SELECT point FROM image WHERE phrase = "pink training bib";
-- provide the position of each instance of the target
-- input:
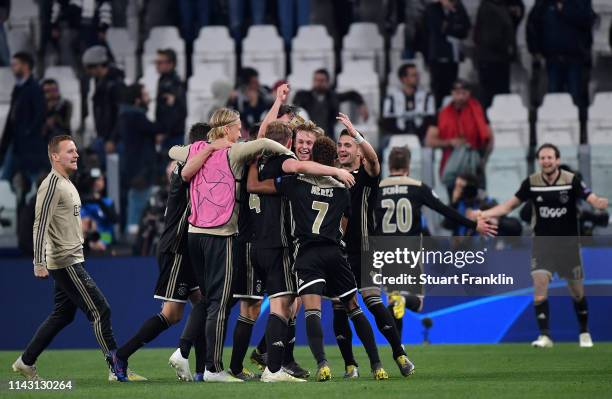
(212, 189)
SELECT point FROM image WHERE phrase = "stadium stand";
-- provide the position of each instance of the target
(200, 98)
(263, 50)
(363, 42)
(124, 50)
(600, 138)
(214, 46)
(359, 76)
(507, 164)
(313, 48)
(558, 123)
(6, 81)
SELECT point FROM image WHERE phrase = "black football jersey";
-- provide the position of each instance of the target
(174, 234)
(554, 205)
(317, 205)
(398, 207)
(269, 214)
(245, 224)
(363, 196)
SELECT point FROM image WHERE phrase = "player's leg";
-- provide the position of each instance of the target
(85, 294)
(288, 283)
(280, 286)
(310, 273)
(63, 314)
(218, 256)
(192, 335)
(249, 312)
(249, 289)
(173, 287)
(342, 285)
(387, 326)
(363, 329)
(384, 319)
(171, 314)
(344, 338)
(342, 328)
(314, 331)
(541, 279)
(288, 359)
(576, 288)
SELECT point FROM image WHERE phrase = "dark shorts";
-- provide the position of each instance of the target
(275, 265)
(323, 269)
(176, 279)
(248, 283)
(564, 259)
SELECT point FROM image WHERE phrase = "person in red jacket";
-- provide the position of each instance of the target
(461, 122)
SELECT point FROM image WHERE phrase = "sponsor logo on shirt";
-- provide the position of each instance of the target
(552, 213)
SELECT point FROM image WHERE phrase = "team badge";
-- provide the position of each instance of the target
(564, 197)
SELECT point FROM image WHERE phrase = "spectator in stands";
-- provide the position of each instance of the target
(337, 17)
(251, 99)
(236, 16)
(109, 84)
(414, 27)
(138, 166)
(560, 32)
(446, 25)
(59, 110)
(322, 102)
(5, 54)
(171, 102)
(23, 149)
(409, 110)
(495, 39)
(290, 13)
(195, 14)
(86, 23)
(95, 205)
(462, 125)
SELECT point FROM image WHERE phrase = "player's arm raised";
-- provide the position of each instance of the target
(256, 186)
(372, 166)
(281, 95)
(317, 169)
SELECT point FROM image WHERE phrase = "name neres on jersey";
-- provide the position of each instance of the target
(325, 192)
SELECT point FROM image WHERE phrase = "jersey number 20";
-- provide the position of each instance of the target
(403, 216)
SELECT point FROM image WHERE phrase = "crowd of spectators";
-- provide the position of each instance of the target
(74, 33)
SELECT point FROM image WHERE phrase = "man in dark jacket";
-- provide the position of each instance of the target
(560, 31)
(495, 39)
(171, 101)
(446, 24)
(323, 103)
(23, 149)
(109, 84)
(138, 157)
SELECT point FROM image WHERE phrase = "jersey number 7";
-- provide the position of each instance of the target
(321, 208)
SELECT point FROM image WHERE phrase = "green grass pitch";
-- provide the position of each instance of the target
(442, 371)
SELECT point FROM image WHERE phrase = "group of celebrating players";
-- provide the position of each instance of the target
(275, 216)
